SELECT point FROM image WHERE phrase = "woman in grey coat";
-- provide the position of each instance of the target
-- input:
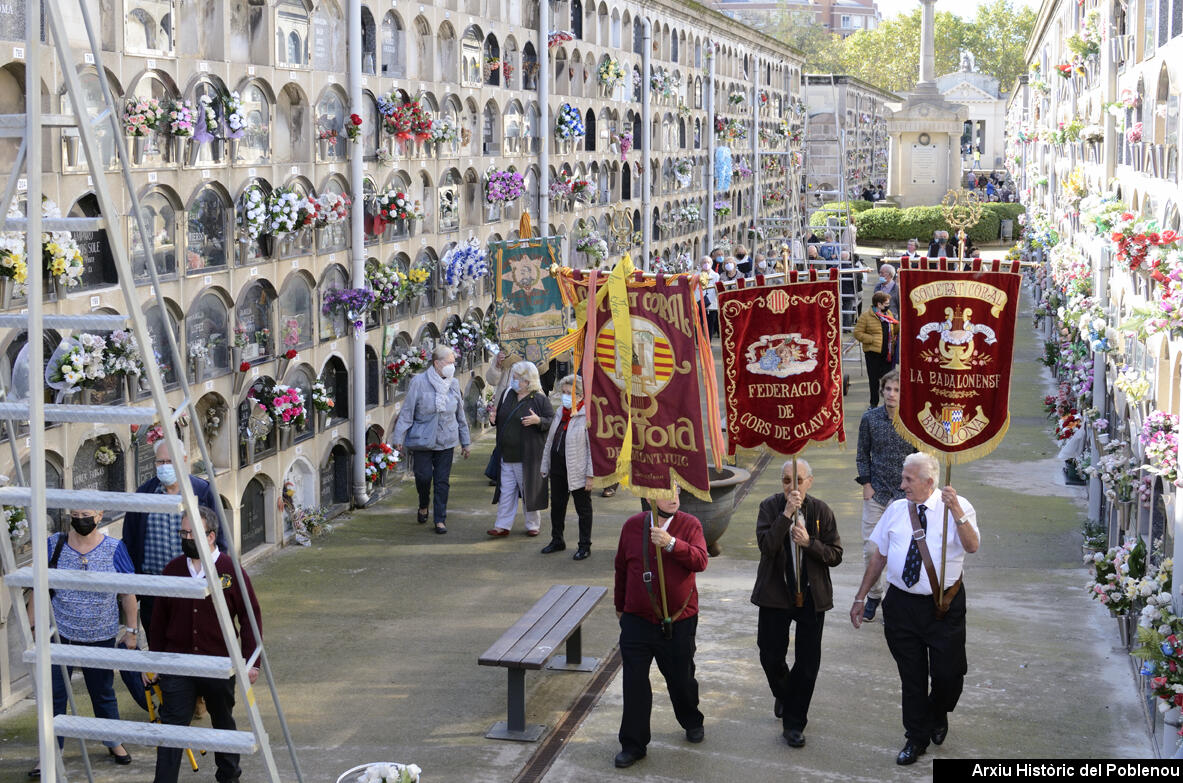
(566, 459)
(431, 424)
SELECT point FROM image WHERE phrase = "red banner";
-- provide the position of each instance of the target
(957, 334)
(782, 365)
(658, 389)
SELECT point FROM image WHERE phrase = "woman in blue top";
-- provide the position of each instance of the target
(89, 618)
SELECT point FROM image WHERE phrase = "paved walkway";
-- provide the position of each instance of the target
(374, 634)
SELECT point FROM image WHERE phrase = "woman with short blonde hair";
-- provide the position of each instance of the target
(523, 420)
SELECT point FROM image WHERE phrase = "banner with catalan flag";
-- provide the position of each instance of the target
(957, 335)
(782, 363)
(639, 342)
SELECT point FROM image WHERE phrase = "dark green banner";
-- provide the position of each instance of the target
(529, 305)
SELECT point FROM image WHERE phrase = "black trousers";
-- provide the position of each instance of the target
(180, 697)
(433, 468)
(794, 687)
(641, 643)
(559, 492)
(877, 367)
(926, 648)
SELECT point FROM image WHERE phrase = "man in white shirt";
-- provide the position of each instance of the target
(711, 296)
(917, 631)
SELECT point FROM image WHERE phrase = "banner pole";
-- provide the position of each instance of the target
(940, 593)
(799, 597)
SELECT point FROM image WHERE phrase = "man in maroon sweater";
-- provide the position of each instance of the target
(643, 635)
(185, 625)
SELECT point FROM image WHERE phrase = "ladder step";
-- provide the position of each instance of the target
(58, 224)
(154, 734)
(89, 498)
(16, 122)
(84, 414)
(106, 582)
(214, 667)
(97, 322)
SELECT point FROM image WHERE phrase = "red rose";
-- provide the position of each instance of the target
(244, 366)
(291, 354)
(355, 119)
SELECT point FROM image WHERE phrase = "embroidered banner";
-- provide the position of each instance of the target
(956, 346)
(529, 303)
(782, 364)
(649, 378)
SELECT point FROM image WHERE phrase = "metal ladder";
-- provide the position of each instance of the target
(36, 497)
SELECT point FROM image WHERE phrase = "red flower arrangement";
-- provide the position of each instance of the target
(291, 354)
(353, 127)
(409, 121)
(244, 366)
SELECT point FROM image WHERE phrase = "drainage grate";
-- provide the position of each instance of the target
(538, 765)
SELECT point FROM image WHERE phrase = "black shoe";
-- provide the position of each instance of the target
(912, 751)
(869, 609)
(696, 734)
(778, 707)
(123, 760)
(941, 731)
(441, 528)
(553, 546)
(421, 517)
(794, 737)
(626, 758)
(581, 554)
(35, 773)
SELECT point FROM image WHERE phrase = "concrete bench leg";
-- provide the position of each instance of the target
(515, 727)
(574, 661)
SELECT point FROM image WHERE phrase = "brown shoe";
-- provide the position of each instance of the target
(531, 533)
(497, 532)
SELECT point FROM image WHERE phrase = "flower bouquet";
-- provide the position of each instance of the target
(207, 119)
(395, 205)
(382, 456)
(569, 124)
(443, 130)
(141, 116)
(253, 214)
(353, 127)
(181, 119)
(235, 119)
(17, 523)
(558, 38)
(683, 168)
(583, 191)
(504, 187)
(413, 283)
(354, 303)
(105, 456)
(592, 245)
(122, 356)
(331, 209)
(60, 253)
(284, 404)
(722, 208)
(411, 361)
(1117, 470)
(1115, 571)
(383, 279)
(464, 262)
(1133, 134)
(307, 524)
(736, 99)
(463, 338)
(321, 399)
(12, 262)
(611, 73)
(1160, 445)
(327, 134)
(283, 212)
(78, 364)
(626, 144)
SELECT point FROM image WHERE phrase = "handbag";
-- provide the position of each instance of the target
(493, 469)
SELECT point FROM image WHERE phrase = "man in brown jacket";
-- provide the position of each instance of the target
(793, 543)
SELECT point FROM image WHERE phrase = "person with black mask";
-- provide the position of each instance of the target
(743, 262)
(90, 619)
(190, 625)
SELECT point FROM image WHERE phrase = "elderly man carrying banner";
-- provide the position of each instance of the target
(926, 638)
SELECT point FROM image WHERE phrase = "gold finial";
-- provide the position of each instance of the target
(961, 210)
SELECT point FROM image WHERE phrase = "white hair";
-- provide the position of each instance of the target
(803, 463)
(529, 371)
(887, 270)
(163, 442)
(442, 353)
(927, 464)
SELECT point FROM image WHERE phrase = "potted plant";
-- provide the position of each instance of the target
(715, 515)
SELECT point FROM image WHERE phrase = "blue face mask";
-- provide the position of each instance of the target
(515, 384)
(167, 474)
(882, 279)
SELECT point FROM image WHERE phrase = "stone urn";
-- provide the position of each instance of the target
(716, 515)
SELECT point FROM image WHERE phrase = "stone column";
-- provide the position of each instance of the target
(927, 45)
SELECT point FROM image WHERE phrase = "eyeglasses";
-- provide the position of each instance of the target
(164, 462)
(186, 534)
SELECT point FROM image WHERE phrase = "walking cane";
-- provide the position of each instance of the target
(799, 597)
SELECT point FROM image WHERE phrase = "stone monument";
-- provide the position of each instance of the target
(925, 159)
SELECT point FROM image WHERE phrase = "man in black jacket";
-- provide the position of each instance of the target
(792, 545)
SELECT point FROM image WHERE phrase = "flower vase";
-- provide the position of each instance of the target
(6, 287)
(285, 436)
(388, 313)
(55, 285)
(198, 368)
(391, 391)
(1127, 623)
(284, 363)
(322, 149)
(322, 419)
(239, 381)
(70, 150)
(250, 450)
(133, 386)
(87, 396)
(417, 304)
(267, 244)
(138, 145)
(232, 151)
(192, 151)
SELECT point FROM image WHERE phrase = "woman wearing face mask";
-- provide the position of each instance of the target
(709, 293)
(431, 425)
(566, 459)
(730, 270)
(523, 419)
(877, 330)
(90, 619)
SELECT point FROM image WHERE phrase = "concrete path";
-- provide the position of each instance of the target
(374, 634)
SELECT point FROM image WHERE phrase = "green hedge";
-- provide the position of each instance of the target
(920, 222)
(818, 218)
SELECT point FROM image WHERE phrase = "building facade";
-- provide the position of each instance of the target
(840, 106)
(239, 299)
(1093, 142)
(839, 17)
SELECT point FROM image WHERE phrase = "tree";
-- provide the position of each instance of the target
(998, 37)
(889, 55)
(802, 31)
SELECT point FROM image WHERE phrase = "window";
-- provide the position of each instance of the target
(209, 153)
(393, 44)
(298, 242)
(332, 143)
(148, 27)
(92, 92)
(368, 41)
(471, 60)
(529, 67)
(292, 121)
(449, 202)
(208, 234)
(255, 145)
(253, 323)
(248, 31)
(291, 33)
(296, 319)
(333, 325)
(164, 357)
(199, 30)
(328, 31)
(207, 337)
(334, 236)
(160, 215)
(250, 251)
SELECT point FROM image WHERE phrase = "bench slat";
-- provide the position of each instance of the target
(562, 629)
(515, 655)
(493, 656)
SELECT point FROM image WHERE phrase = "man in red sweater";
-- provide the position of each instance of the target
(641, 610)
(185, 625)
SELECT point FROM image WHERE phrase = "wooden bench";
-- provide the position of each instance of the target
(532, 641)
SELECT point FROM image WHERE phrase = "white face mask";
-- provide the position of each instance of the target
(761, 266)
(566, 400)
(731, 267)
(706, 267)
(447, 372)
